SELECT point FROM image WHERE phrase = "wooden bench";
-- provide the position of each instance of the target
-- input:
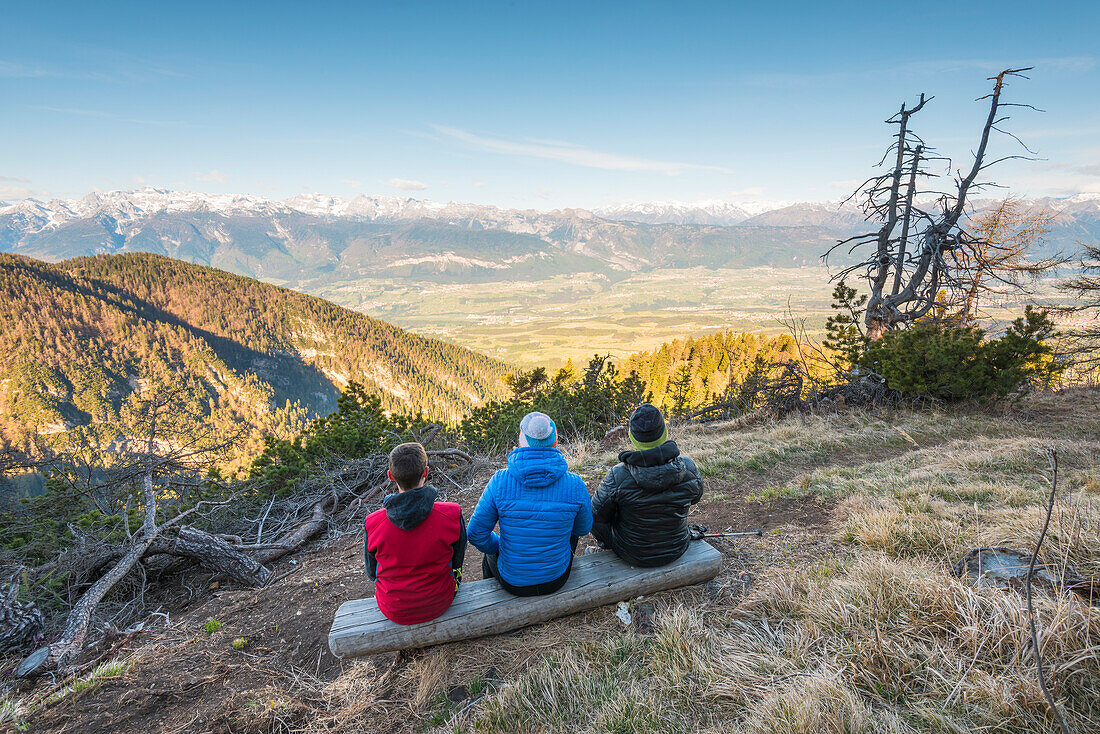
(483, 608)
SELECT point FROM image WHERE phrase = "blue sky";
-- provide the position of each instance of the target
(529, 104)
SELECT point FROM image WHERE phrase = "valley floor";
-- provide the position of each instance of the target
(844, 616)
(536, 322)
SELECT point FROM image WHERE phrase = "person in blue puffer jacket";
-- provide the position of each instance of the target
(541, 509)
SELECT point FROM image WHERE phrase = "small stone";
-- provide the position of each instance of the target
(614, 437)
(33, 663)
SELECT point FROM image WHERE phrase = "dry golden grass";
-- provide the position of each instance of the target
(888, 646)
(874, 636)
(889, 641)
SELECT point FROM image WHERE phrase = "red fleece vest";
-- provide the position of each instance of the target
(414, 566)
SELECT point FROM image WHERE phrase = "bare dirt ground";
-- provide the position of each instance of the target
(191, 681)
(781, 478)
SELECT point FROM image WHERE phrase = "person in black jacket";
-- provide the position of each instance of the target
(640, 510)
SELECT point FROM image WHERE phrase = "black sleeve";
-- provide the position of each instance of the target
(604, 504)
(697, 481)
(369, 560)
(458, 554)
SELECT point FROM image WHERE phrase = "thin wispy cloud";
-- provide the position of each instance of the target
(215, 176)
(929, 67)
(940, 66)
(15, 70)
(13, 188)
(1089, 168)
(551, 141)
(17, 192)
(569, 153)
(353, 183)
(109, 116)
(91, 63)
(407, 184)
(1055, 178)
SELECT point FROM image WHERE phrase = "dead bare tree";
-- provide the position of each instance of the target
(918, 246)
(173, 450)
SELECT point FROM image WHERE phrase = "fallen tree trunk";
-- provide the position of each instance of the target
(484, 608)
(215, 554)
(303, 533)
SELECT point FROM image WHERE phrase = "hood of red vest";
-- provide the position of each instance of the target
(408, 509)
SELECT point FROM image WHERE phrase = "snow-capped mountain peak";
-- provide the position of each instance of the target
(676, 212)
(127, 208)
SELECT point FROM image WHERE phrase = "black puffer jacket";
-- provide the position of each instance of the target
(641, 507)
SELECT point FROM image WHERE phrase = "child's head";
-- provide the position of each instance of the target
(537, 430)
(408, 465)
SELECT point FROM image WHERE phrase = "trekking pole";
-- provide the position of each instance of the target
(757, 533)
(698, 532)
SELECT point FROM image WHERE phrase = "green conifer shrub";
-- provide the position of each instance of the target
(944, 361)
(359, 427)
(582, 407)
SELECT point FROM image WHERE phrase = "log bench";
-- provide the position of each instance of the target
(483, 608)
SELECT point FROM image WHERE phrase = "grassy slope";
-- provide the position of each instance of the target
(842, 618)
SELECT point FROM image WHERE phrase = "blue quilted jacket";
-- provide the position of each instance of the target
(538, 505)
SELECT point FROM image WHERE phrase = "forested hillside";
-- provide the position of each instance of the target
(696, 371)
(78, 337)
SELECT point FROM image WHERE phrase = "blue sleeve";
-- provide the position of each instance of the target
(582, 524)
(480, 529)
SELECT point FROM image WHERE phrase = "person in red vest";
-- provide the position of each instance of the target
(414, 546)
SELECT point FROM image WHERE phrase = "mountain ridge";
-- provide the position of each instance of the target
(313, 241)
(133, 203)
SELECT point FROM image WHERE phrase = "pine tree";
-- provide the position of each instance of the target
(680, 390)
(844, 335)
